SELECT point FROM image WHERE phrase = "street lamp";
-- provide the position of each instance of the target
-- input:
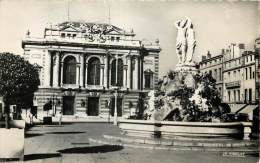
(54, 100)
(115, 110)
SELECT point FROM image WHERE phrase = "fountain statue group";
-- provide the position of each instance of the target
(186, 104)
(180, 94)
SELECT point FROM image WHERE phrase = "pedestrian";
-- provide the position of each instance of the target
(60, 117)
(31, 118)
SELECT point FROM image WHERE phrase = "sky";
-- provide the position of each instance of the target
(216, 24)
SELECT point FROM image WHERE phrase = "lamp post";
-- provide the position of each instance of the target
(115, 109)
(54, 100)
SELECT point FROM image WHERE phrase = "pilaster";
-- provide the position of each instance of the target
(81, 70)
(47, 75)
(56, 69)
(128, 73)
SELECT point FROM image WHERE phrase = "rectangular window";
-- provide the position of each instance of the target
(215, 74)
(234, 95)
(62, 35)
(229, 96)
(250, 72)
(112, 38)
(250, 95)
(246, 73)
(74, 35)
(245, 95)
(117, 39)
(220, 74)
(238, 95)
(148, 80)
(251, 58)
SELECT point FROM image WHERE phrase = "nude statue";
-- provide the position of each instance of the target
(191, 44)
(185, 41)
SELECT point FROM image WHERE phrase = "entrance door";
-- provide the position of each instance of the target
(68, 105)
(93, 105)
(119, 107)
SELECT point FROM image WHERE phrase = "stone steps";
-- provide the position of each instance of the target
(245, 148)
(188, 143)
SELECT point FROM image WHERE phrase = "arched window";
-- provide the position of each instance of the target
(117, 74)
(69, 71)
(94, 71)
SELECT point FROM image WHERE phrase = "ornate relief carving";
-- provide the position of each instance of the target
(91, 31)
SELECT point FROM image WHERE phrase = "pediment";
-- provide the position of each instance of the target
(69, 29)
(114, 32)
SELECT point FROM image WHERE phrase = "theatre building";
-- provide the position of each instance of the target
(86, 66)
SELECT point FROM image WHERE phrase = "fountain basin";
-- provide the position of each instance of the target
(182, 130)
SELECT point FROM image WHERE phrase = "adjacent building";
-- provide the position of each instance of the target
(88, 68)
(214, 66)
(235, 71)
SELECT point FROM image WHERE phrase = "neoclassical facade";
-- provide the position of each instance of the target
(84, 64)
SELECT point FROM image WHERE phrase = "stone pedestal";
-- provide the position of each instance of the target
(187, 68)
(187, 72)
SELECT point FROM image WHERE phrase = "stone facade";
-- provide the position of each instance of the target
(235, 74)
(84, 64)
(214, 66)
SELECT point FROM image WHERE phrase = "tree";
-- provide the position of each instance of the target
(18, 81)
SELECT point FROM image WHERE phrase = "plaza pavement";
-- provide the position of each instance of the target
(69, 143)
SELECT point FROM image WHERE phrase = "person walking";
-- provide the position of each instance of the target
(60, 117)
(31, 118)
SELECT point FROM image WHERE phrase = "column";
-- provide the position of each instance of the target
(105, 72)
(139, 74)
(78, 75)
(128, 72)
(86, 74)
(56, 70)
(135, 76)
(116, 68)
(47, 75)
(102, 75)
(125, 76)
(61, 74)
(81, 70)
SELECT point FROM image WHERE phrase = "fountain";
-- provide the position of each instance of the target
(186, 104)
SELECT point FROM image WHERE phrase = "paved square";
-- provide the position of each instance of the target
(69, 144)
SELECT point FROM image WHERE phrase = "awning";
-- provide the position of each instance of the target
(249, 110)
(236, 107)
